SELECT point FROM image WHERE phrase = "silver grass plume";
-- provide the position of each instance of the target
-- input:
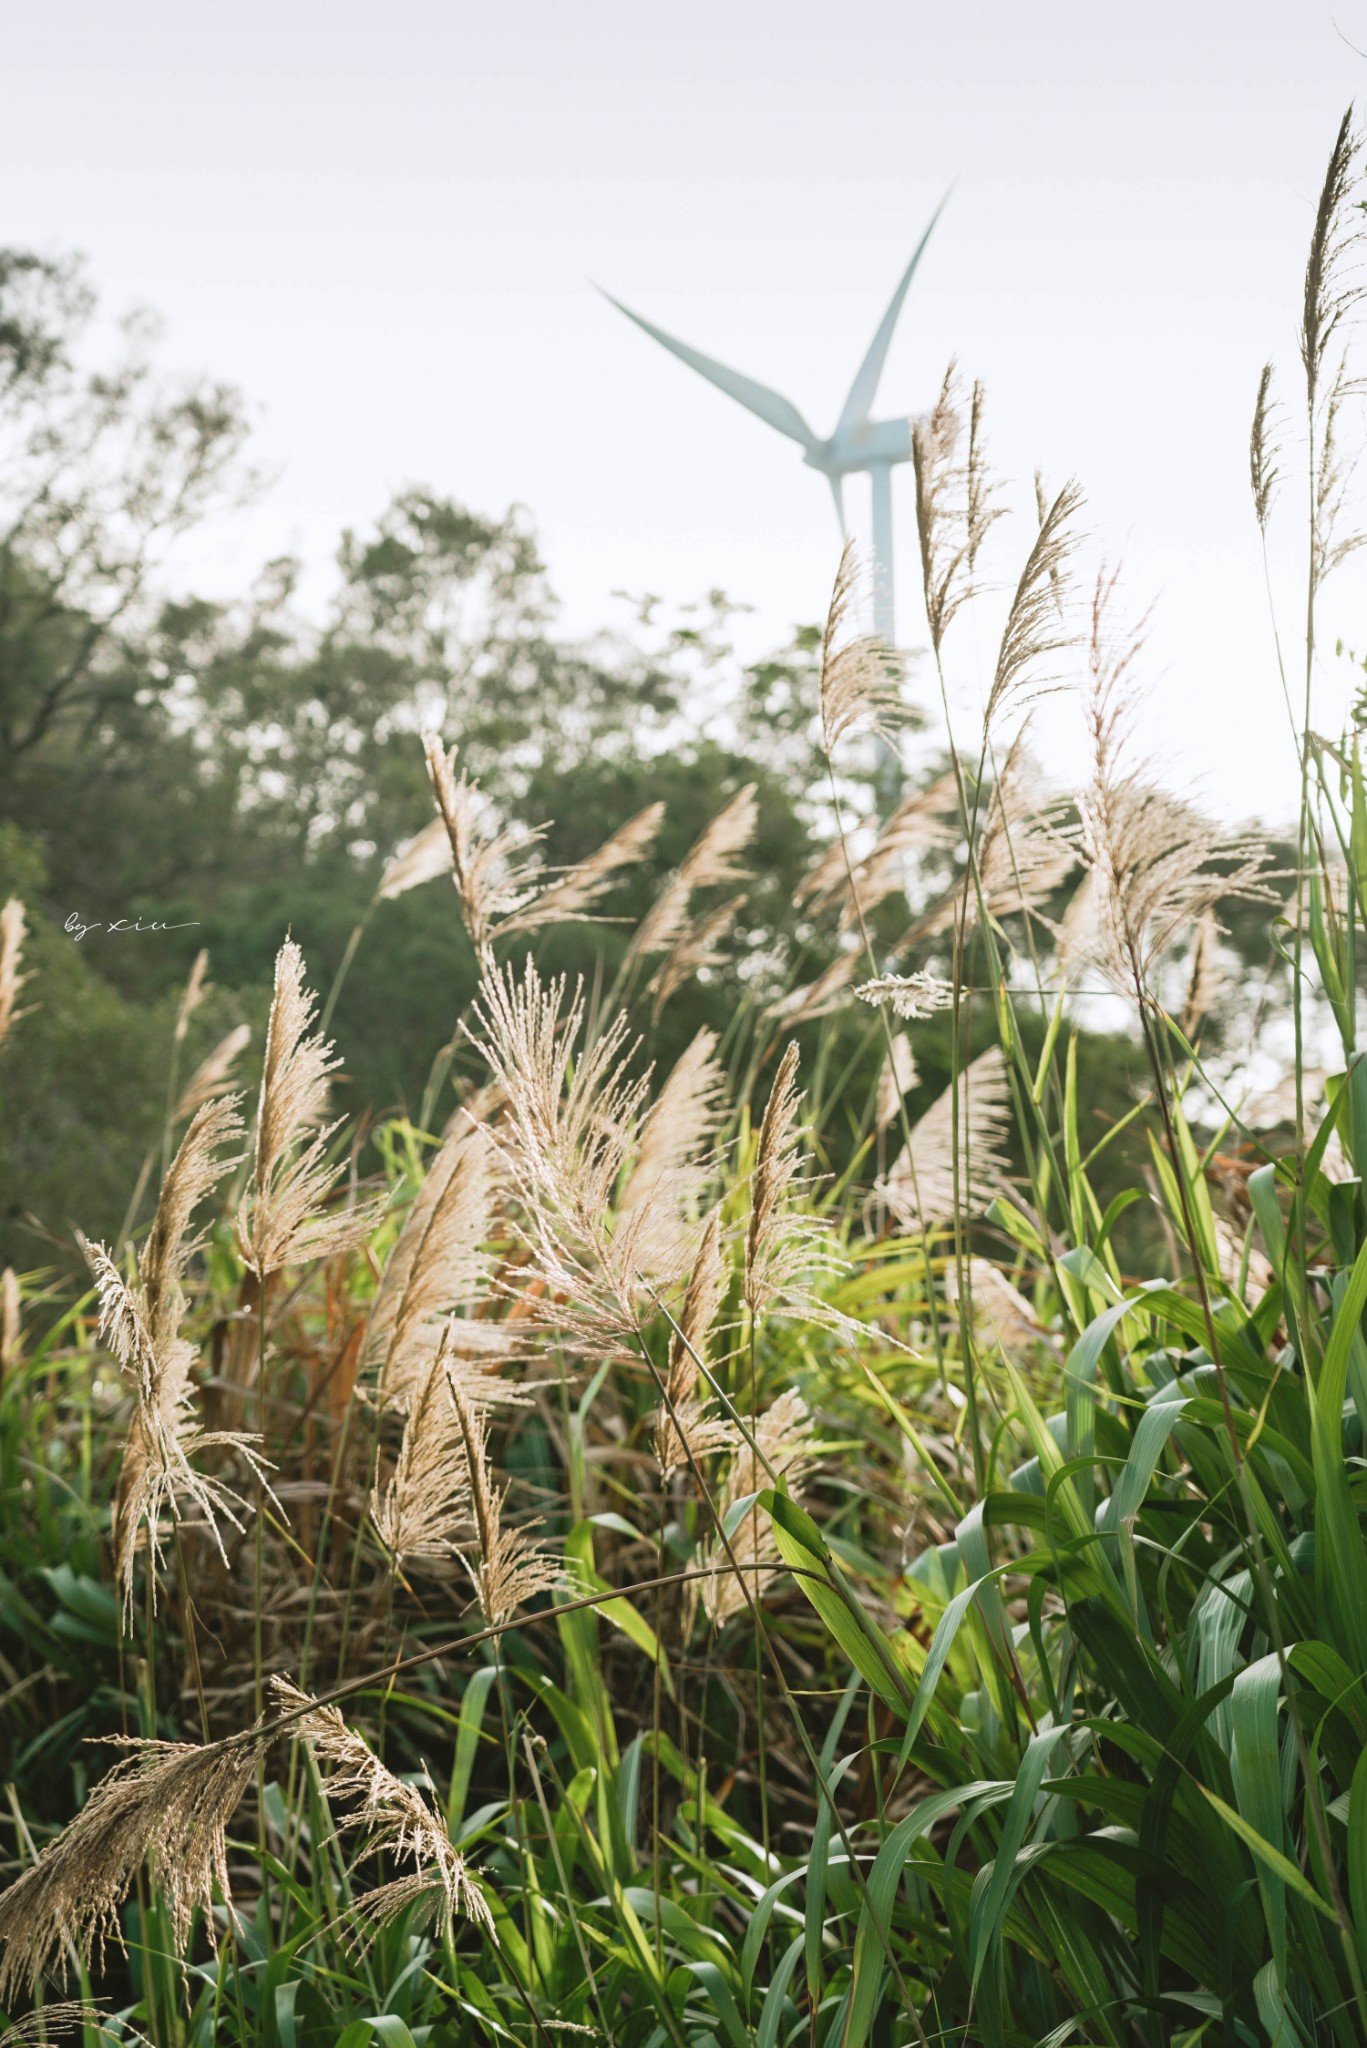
(686, 1428)
(51, 2022)
(499, 871)
(421, 1509)
(828, 876)
(664, 922)
(122, 1327)
(785, 1243)
(1205, 981)
(1157, 865)
(1003, 1319)
(1026, 850)
(1263, 472)
(709, 863)
(935, 1178)
(860, 688)
(11, 1322)
(495, 867)
(675, 1157)
(925, 822)
(141, 1327)
(1334, 473)
(1333, 289)
(422, 860)
(895, 1081)
(569, 1129)
(817, 998)
(575, 892)
(165, 1806)
(567, 1122)
(982, 511)
(438, 1263)
(1033, 634)
(1078, 937)
(283, 1218)
(1331, 286)
(214, 1075)
(394, 1818)
(782, 1437)
(697, 948)
(921, 823)
(913, 996)
(196, 989)
(479, 1108)
(568, 1125)
(11, 951)
(167, 1249)
(513, 1564)
(941, 525)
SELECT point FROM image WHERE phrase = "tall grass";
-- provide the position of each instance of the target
(617, 1579)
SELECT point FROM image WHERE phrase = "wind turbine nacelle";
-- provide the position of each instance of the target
(856, 446)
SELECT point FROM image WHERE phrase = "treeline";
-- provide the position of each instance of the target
(233, 772)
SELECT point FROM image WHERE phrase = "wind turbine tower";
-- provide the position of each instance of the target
(858, 442)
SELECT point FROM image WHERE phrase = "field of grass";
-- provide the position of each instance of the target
(694, 1557)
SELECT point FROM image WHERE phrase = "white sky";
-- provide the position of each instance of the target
(381, 221)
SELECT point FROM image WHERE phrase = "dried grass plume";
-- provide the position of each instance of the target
(954, 1163)
(1158, 867)
(782, 1449)
(214, 1075)
(165, 1806)
(513, 1565)
(687, 1427)
(860, 689)
(394, 1818)
(11, 980)
(284, 1218)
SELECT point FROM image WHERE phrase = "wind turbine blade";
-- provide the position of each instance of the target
(865, 386)
(837, 484)
(757, 398)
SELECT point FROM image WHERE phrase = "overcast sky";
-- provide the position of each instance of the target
(382, 222)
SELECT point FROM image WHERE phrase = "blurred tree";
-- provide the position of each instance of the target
(240, 770)
(100, 471)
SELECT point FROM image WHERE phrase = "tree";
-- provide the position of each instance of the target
(100, 471)
(239, 770)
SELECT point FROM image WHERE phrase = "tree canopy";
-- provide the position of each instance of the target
(236, 771)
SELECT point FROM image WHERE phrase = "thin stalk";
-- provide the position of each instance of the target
(280, 1723)
(191, 1628)
(1188, 1220)
(149, 1680)
(553, 1842)
(760, 1744)
(258, 1587)
(488, 1539)
(799, 1724)
(656, 1707)
(932, 1310)
(344, 968)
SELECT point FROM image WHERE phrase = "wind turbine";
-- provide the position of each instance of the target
(858, 442)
